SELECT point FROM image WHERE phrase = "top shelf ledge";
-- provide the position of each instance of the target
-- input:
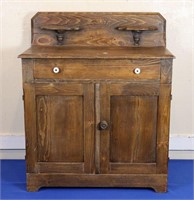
(60, 28)
(137, 28)
(136, 31)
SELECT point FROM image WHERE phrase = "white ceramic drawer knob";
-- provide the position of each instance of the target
(137, 70)
(56, 70)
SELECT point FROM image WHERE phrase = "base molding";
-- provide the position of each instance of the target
(158, 182)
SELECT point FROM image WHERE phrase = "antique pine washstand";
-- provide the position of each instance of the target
(97, 90)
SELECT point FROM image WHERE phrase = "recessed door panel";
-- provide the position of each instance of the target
(133, 131)
(60, 128)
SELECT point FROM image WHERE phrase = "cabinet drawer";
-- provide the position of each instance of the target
(97, 69)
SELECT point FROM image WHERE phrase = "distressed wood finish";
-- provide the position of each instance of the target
(163, 128)
(97, 131)
(30, 127)
(98, 29)
(60, 167)
(132, 168)
(104, 134)
(27, 70)
(89, 165)
(155, 181)
(134, 89)
(60, 124)
(93, 53)
(133, 130)
(58, 89)
(102, 118)
(119, 69)
(166, 71)
(65, 127)
(131, 135)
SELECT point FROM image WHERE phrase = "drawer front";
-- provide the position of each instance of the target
(97, 69)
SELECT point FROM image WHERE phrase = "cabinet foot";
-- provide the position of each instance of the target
(162, 188)
(32, 188)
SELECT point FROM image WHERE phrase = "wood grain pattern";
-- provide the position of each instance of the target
(30, 127)
(92, 53)
(98, 29)
(43, 127)
(134, 89)
(166, 71)
(133, 168)
(89, 165)
(60, 28)
(163, 128)
(137, 28)
(97, 131)
(133, 131)
(94, 63)
(28, 70)
(65, 127)
(155, 181)
(58, 89)
(60, 167)
(104, 134)
(60, 128)
(120, 69)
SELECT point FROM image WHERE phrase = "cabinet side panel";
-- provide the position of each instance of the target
(133, 132)
(166, 71)
(60, 128)
(163, 128)
(27, 70)
(30, 127)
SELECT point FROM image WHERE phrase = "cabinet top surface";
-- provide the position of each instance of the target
(96, 52)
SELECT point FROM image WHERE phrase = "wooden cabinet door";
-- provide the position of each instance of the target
(60, 127)
(129, 144)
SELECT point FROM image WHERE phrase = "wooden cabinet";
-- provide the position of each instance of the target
(97, 116)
